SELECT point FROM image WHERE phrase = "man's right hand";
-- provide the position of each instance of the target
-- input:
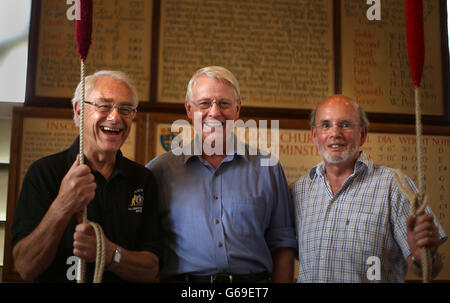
(34, 253)
(77, 188)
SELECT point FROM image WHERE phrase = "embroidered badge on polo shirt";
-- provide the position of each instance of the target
(137, 202)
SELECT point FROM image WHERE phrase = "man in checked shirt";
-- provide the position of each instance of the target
(350, 210)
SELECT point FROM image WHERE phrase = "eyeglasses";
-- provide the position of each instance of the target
(344, 126)
(107, 108)
(205, 104)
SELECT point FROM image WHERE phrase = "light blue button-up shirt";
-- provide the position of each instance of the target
(229, 219)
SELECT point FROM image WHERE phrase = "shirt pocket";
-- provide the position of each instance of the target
(247, 215)
(363, 234)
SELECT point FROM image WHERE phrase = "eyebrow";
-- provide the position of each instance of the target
(344, 120)
(110, 100)
(210, 99)
(106, 100)
(338, 122)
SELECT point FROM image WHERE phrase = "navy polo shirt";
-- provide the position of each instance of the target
(125, 206)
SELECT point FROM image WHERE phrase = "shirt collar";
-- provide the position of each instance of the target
(230, 154)
(119, 168)
(364, 162)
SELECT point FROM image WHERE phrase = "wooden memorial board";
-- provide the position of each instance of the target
(375, 66)
(280, 52)
(121, 41)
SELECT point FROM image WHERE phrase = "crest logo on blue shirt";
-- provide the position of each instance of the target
(137, 202)
(166, 138)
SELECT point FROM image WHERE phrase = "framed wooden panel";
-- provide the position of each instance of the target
(154, 134)
(376, 69)
(281, 52)
(38, 132)
(121, 41)
(286, 55)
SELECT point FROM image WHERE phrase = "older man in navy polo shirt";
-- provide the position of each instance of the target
(120, 195)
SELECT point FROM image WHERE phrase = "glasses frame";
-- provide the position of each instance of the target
(340, 125)
(214, 101)
(113, 106)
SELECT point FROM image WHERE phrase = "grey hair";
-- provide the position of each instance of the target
(216, 72)
(363, 120)
(90, 84)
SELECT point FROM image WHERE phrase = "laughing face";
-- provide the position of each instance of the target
(338, 135)
(223, 106)
(106, 131)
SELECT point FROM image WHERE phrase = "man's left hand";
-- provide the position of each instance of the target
(85, 242)
(422, 231)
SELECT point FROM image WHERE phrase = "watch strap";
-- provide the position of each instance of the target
(116, 258)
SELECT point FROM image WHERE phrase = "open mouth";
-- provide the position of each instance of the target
(213, 123)
(110, 130)
(336, 145)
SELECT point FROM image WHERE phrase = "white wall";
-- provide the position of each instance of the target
(5, 143)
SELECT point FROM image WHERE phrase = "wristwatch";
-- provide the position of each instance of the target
(116, 258)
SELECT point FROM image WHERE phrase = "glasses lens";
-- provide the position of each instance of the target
(224, 104)
(204, 104)
(104, 108)
(125, 110)
(207, 104)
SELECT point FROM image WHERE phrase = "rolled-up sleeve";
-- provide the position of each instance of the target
(281, 232)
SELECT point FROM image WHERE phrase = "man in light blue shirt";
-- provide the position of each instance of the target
(226, 217)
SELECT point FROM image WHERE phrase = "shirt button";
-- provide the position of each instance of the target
(217, 221)
(220, 244)
(215, 197)
(216, 174)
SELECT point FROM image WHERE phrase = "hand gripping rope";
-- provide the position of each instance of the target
(417, 203)
(83, 37)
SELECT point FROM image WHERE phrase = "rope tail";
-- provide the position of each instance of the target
(421, 200)
(417, 201)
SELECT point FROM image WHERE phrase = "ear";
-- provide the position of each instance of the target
(363, 135)
(314, 134)
(238, 108)
(77, 110)
(188, 107)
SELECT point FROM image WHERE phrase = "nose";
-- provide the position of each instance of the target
(335, 130)
(215, 109)
(114, 114)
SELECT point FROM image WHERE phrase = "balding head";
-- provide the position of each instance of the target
(342, 101)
